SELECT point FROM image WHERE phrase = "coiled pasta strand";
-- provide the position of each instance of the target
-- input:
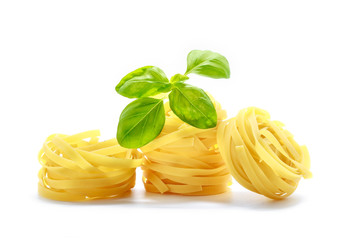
(76, 169)
(261, 155)
(185, 160)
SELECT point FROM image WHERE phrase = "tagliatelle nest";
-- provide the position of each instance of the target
(261, 155)
(185, 160)
(77, 169)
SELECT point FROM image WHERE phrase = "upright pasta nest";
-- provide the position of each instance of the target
(261, 155)
(79, 167)
(184, 159)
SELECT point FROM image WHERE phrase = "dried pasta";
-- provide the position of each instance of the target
(185, 160)
(261, 155)
(79, 167)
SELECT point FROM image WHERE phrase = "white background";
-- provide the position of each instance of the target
(60, 62)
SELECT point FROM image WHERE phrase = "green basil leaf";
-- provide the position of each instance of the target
(178, 78)
(143, 82)
(207, 63)
(193, 106)
(140, 122)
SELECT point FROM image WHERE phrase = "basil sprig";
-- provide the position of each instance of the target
(142, 120)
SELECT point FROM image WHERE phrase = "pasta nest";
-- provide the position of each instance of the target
(261, 155)
(185, 160)
(79, 167)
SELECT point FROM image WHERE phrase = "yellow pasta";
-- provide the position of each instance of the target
(79, 167)
(185, 160)
(261, 155)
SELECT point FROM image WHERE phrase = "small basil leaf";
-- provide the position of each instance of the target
(143, 82)
(193, 106)
(178, 78)
(207, 63)
(140, 122)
